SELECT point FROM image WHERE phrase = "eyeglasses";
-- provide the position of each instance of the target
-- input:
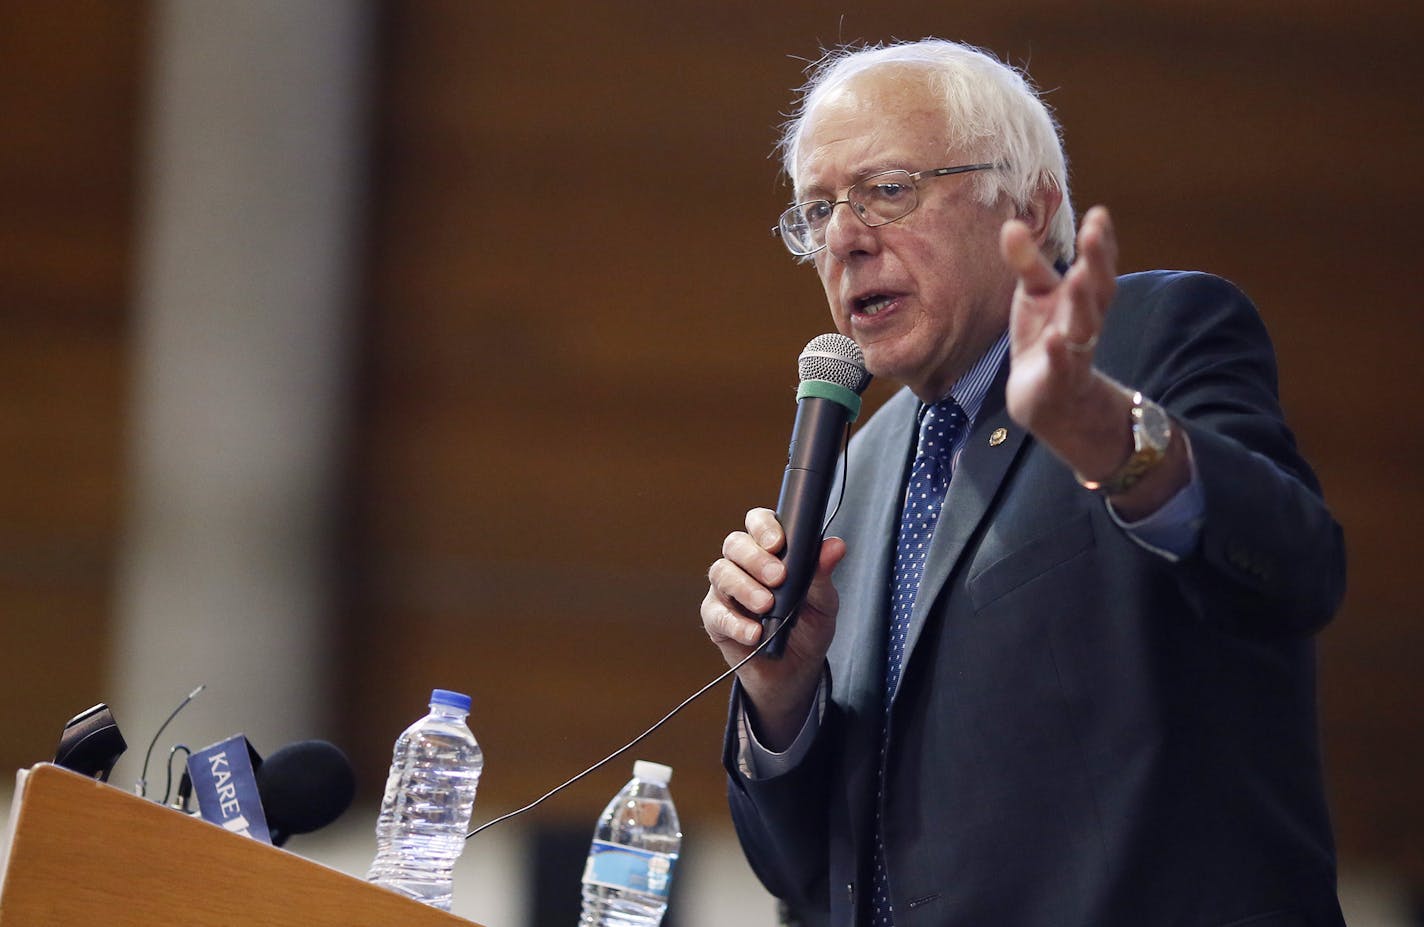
(877, 200)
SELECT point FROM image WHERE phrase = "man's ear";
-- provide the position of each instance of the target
(1038, 213)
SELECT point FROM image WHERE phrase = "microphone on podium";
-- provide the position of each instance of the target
(833, 375)
(91, 743)
(301, 788)
(304, 787)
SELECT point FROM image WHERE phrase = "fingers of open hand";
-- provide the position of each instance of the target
(1097, 258)
(1079, 316)
(1088, 288)
(1036, 274)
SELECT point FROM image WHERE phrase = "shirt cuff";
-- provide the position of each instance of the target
(757, 762)
(1171, 532)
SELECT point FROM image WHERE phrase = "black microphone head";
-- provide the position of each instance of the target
(304, 787)
(834, 358)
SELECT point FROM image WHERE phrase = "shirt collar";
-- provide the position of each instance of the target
(971, 389)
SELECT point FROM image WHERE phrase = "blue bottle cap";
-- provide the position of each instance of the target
(458, 700)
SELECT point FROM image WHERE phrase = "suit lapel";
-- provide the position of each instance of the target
(881, 464)
(978, 474)
(874, 465)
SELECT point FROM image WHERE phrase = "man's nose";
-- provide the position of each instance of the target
(846, 233)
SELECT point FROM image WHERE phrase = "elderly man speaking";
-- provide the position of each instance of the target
(1056, 666)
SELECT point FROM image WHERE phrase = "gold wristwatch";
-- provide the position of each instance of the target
(1151, 434)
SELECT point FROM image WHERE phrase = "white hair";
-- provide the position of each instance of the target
(991, 110)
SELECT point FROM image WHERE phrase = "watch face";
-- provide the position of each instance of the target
(1153, 427)
(1151, 434)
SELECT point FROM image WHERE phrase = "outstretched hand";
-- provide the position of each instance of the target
(1055, 321)
(1054, 390)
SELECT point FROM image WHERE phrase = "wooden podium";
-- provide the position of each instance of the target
(84, 852)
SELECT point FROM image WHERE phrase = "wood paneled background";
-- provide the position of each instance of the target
(70, 86)
(578, 342)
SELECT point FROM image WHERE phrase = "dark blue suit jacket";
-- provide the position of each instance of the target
(1085, 732)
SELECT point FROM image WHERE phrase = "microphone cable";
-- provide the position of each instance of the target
(141, 787)
(185, 783)
(782, 629)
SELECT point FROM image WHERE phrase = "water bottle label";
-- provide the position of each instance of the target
(616, 866)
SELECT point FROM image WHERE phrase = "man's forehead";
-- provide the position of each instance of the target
(874, 122)
(887, 86)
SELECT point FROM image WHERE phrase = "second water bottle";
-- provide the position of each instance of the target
(635, 846)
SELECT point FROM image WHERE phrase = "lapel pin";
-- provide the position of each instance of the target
(998, 436)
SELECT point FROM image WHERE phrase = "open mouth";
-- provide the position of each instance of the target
(872, 304)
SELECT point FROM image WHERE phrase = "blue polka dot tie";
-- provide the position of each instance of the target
(940, 427)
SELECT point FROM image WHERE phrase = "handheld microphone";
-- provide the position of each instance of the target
(832, 371)
(304, 787)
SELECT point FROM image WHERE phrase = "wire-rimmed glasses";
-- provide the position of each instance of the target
(877, 200)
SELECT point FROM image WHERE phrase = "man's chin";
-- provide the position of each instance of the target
(885, 363)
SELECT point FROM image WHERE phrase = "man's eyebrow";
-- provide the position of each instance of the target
(812, 191)
(818, 191)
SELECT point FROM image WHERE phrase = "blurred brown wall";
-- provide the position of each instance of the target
(69, 121)
(579, 341)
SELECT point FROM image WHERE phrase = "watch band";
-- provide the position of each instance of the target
(1151, 435)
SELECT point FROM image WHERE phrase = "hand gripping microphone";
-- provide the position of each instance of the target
(833, 376)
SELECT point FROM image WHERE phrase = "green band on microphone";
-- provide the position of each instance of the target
(824, 389)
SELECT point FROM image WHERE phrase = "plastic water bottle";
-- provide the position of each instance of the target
(430, 795)
(635, 846)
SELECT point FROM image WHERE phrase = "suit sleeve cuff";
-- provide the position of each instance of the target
(1173, 531)
(757, 762)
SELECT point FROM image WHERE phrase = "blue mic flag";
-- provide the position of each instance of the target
(225, 781)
